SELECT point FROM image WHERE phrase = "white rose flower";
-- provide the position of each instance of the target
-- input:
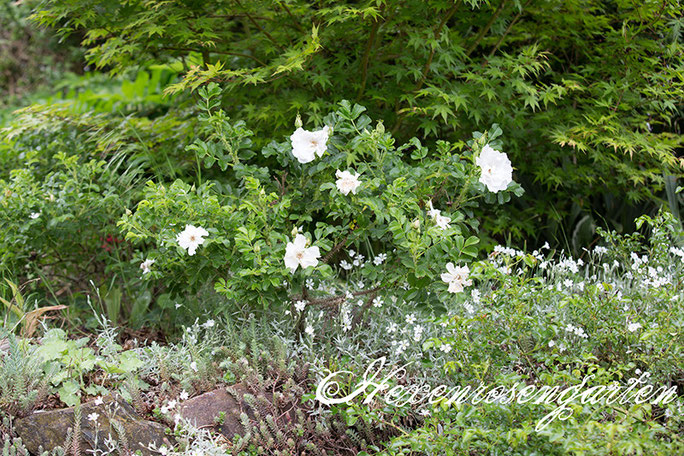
(432, 212)
(347, 182)
(307, 144)
(297, 254)
(146, 265)
(456, 277)
(442, 221)
(495, 167)
(191, 238)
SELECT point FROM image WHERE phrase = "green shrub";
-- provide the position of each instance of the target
(252, 215)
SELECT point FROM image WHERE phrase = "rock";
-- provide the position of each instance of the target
(205, 410)
(49, 429)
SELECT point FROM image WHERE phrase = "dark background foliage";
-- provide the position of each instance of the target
(589, 90)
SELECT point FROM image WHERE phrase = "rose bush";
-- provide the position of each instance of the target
(301, 210)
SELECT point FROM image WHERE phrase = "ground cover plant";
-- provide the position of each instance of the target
(218, 218)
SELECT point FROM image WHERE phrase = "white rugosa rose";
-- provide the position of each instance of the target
(347, 182)
(298, 254)
(496, 170)
(307, 144)
(456, 277)
(191, 238)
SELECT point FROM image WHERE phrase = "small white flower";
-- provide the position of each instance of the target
(307, 144)
(424, 412)
(456, 277)
(35, 215)
(344, 264)
(551, 343)
(297, 254)
(417, 333)
(193, 366)
(209, 324)
(495, 167)
(309, 330)
(191, 238)
(300, 306)
(163, 451)
(633, 327)
(146, 265)
(392, 328)
(183, 396)
(446, 348)
(347, 182)
(469, 308)
(410, 319)
(98, 400)
(93, 417)
(379, 259)
(600, 250)
(546, 246)
(580, 332)
(475, 295)
(171, 405)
